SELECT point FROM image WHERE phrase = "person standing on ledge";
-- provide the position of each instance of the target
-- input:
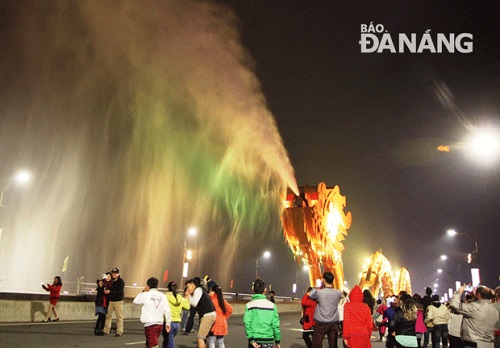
(115, 297)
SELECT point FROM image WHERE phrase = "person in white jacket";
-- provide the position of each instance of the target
(155, 310)
(439, 314)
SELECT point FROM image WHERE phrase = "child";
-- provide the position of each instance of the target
(177, 304)
(222, 312)
(261, 319)
(155, 309)
(55, 290)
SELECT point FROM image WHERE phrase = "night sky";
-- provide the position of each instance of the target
(140, 121)
(371, 123)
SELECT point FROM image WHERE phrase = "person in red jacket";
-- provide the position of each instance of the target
(358, 322)
(308, 307)
(54, 289)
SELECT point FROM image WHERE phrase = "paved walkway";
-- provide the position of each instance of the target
(81, 334)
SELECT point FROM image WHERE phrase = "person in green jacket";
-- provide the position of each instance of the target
(261, 319)
(177, 303)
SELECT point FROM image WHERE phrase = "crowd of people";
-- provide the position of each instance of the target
(471, 319)
(167, 314)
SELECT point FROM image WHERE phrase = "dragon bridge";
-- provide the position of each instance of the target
(315, 225)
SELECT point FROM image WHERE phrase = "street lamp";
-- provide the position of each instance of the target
(22, 177)
(187, 254)
(483, 143)
(453, 233)
(265, 255)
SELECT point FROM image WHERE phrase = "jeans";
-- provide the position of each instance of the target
(190, 320)
(168, 337)
(440, 332)
(220, 341)
(185, 315)
(426, 336)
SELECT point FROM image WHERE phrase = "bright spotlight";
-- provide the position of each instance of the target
(483, 144)
(22, 177)
(444, 257)
(451, 233)
(267, 254)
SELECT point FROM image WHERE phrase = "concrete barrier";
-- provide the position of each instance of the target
(34, 310)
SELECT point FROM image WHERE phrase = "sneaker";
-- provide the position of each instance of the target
(118, 335)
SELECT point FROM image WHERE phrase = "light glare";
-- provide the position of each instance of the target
(483, 144)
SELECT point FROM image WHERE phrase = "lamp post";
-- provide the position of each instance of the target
(265, 255)
(453, 233)
(186, 255)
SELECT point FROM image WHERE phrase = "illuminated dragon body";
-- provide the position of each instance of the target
(315, 225)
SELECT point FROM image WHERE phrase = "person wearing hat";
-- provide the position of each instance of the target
(115, 297)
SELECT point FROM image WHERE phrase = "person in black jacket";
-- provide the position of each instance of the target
(426, 301)
(403, 322)
(101, 307)
(115, 297)
(198, 297)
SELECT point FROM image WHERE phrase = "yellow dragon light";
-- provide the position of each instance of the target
(315, 225)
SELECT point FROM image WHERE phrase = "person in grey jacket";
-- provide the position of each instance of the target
(479, 319)
(326, 314)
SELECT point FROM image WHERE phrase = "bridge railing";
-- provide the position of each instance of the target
(79, 287)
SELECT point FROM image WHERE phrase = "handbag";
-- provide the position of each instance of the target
(407, 341)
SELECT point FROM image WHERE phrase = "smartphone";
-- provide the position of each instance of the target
(468, 288)
(319, 283)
